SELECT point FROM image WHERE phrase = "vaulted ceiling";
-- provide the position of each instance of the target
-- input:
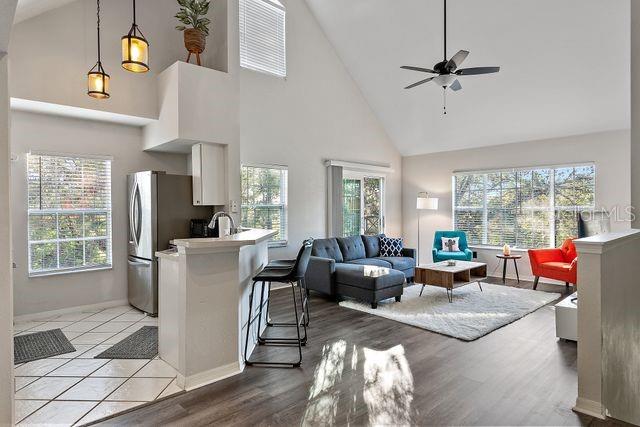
(565, 67)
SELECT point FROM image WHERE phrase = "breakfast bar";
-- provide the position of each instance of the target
(203, 295)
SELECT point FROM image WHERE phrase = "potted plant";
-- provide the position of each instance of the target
(193, 14)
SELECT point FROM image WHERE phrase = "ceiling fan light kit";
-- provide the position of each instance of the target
(447, 71)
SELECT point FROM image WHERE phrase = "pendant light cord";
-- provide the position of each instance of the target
(98, 13)
(134, 13)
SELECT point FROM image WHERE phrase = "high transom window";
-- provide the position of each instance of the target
(262, 36)
(264, 200)
(69, 227)
(526, 208)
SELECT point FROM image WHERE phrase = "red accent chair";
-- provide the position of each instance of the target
(557, 263)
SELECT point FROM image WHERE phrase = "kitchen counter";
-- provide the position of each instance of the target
(203, 304)
(248, 237)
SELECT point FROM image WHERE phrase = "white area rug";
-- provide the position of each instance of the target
(472, 313)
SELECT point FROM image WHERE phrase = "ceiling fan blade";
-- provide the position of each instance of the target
(457, 60)
(477, 70)
(424, 70)
(455, 86)
(419, 83)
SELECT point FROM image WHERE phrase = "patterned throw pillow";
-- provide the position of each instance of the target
(390, 246)
(450, 244)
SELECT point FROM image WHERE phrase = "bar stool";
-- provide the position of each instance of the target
(286, 271)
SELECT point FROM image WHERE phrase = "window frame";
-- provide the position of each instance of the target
(552, 208)
(284, 189)
(361, 176)
(276, 4)
(66, 211)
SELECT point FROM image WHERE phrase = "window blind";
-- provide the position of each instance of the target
(264, 200)
(69, 209)
(262, 36)
(527, 208)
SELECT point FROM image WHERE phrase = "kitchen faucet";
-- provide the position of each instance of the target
(217, 215)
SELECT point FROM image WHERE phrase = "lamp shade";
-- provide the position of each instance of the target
(135, 54)
(427, 203)
(98, 83)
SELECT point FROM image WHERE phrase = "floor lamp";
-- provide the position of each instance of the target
(424, 203)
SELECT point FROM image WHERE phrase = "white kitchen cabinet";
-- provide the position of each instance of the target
(209, 170)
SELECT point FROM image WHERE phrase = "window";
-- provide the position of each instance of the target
(362, 205)
(69, 226)
(527, 208)
(264, 200)
(262, 36)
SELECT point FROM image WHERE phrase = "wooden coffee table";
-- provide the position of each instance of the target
(451, 277)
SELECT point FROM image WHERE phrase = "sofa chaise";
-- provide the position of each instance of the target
(337, 269)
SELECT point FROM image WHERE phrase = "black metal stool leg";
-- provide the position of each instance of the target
(246, 342)
(280, 341)
(283, 341)
(306, 301)
(260, 339)
(295, 310)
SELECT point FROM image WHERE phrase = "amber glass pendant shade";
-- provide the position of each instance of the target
(135, 48)
(98, 83)
(97, 79)
(135, 54)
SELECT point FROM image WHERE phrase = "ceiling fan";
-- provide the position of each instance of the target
(447, 71)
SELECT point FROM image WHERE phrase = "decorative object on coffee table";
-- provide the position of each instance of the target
(505, 259)
(450, 277)
(193, 13)
(424, 203)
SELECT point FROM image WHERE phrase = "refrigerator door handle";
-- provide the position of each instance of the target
(135, 215)
(132, 231)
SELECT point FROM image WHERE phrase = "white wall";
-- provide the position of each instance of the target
(432, 173)
(40, 132)
(316, 113)
(6, 313)
(635, 109)
(7, 11)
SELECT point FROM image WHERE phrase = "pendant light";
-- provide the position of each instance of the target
(135, 48)
(97, 79)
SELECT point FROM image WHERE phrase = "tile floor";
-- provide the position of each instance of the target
(74, 388)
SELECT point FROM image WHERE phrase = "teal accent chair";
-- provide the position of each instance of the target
(465, 253)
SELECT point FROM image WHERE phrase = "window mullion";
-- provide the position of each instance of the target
(57, 241)
(552, 208)
(485, 213)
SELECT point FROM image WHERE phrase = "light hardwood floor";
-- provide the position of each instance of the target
(361, 369)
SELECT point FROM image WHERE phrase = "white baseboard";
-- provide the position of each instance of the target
(47, 314)
(208, 377)
(589, 407)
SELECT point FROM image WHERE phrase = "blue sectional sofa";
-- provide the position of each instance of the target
(335, 259)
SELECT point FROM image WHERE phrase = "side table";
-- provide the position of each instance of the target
(505, 259)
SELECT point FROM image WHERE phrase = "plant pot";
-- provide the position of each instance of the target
(194, 40)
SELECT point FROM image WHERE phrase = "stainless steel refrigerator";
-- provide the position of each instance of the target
(160, 209)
